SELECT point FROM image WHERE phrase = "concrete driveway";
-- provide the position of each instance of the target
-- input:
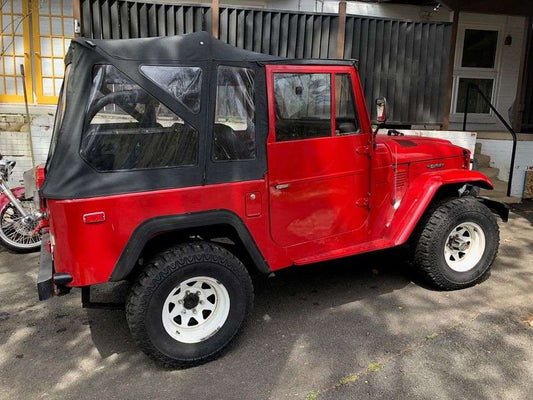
(358, 328)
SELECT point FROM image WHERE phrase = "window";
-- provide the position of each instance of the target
(127, 129)
(476, 64)
(234, 129)
(475, 102)
(302, 105)
(479, 48)
(346, 121)
(184, 83)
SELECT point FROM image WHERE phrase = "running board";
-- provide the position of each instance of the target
(378, 244)
(87, 303)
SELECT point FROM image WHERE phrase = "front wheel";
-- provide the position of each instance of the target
(189, 303)
(16, 232)
(457, 243)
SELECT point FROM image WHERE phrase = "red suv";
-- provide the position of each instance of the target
(183, 164)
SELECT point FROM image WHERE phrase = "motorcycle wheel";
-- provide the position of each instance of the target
(15, 234)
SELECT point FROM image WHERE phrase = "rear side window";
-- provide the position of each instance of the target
(184, 83)
(234, 128)
(302, 105)
(127, 128)
(346, 121)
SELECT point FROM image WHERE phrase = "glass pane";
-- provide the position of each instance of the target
(59, 65)
(7, 26)
(234, 131)
(19, 45)
(18, 25)
(18, 61)
(60, 113)
(57, 29)
(476, 104)
(44, 25)
(46, 67)
(46, 47)
(130, 129)
(58, 47)
(9, 65)
(68, 26)
(17, 6)
(302, 105)
(2, 90)
(10, 85)
(57, 86)
(346, 121)
(20, 87)
(55, 6)
(184, 83)
(48, 86)
(67, 7)
(479, 50)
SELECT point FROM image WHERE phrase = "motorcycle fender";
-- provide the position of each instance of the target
(18, 192)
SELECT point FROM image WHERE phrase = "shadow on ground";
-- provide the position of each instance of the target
(312, 327)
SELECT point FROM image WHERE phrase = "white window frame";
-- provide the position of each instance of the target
(476, 73)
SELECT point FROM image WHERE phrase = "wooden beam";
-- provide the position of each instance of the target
(342, 29)
(215, 18)
(76, 14)
(449, 80)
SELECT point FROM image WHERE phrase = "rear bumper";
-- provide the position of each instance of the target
(45, 282)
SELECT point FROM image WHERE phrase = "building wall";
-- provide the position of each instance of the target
(500, 157)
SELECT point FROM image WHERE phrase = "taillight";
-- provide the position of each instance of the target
(39, 172)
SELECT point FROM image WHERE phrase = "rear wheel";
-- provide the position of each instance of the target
(189, 303)
(457, 243)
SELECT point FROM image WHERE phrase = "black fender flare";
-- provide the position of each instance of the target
(168, 223)
(497, 207)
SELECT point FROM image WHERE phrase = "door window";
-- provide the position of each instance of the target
(346, 121)
(302, 104)
(129, 129)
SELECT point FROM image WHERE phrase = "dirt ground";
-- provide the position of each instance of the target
(357, 328)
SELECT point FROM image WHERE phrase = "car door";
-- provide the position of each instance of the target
(318, 153)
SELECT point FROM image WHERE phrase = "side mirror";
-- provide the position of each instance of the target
(381, 110)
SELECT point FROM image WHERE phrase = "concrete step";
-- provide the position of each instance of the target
(491, 173)
(478, 148)
(482, 160)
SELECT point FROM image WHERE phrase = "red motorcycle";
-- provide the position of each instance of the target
(19, 217)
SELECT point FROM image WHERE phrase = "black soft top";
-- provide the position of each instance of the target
(198, 46)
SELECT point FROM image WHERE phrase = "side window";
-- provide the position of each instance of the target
(302, 106)
(234, 129)
(346, 121)
(184, 83)
(126, 128)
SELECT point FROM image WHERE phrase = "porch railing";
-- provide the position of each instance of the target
(473, 86)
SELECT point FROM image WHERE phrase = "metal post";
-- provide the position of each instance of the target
(23, 73)
(466, 106)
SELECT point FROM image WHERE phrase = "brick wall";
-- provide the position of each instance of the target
(15, 143)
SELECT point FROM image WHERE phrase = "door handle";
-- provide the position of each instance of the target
(282, 186)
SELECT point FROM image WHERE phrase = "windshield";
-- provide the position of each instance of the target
(60, 114)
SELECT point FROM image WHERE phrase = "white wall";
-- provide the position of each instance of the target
(500, 157)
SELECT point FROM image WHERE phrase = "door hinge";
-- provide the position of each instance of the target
(363, 150)
(363, 202)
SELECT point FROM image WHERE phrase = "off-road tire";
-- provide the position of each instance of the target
(161, 275)
(432, 234)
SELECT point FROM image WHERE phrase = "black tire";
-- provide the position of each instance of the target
(433, 235)
(10, 243)
(161, 277)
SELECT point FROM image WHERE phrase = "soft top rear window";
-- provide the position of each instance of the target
(127, 128)
(60, 113)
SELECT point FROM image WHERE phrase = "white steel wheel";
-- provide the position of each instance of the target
(196, 309)
(464, 246)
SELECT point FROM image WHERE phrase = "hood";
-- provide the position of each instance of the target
(407, 149)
